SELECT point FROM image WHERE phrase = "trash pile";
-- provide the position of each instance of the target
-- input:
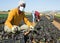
(44, 31)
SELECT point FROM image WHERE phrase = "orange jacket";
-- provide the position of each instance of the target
(14, 18)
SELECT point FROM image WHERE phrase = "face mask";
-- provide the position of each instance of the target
(21, 8)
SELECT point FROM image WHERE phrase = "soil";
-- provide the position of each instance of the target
(57, 24)
(57, 19)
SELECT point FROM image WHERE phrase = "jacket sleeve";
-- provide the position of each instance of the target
(27, 21)
(9, 19)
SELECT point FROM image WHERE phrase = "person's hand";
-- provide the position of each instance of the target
(38, 20)
(14, 29)
(33, 24)
(31, 28)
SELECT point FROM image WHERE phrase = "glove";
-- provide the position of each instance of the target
(14, 29)
(31, 28)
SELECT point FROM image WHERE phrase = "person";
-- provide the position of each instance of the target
(15, 16)
(33, 16)
(51, 17)
(37, 16)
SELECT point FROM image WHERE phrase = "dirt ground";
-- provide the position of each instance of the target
(57, 19)
(57, 24)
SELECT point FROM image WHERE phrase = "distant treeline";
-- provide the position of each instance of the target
(3, 12)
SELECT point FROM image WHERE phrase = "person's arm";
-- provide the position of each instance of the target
(26, 20)
(9, 19)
